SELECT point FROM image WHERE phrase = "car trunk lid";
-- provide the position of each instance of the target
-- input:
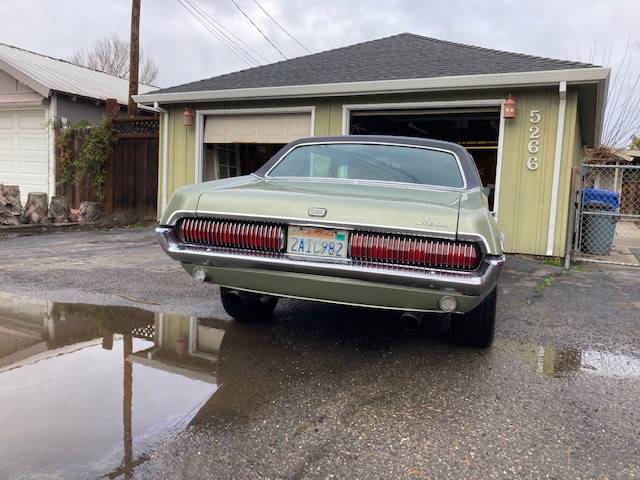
(359, 204)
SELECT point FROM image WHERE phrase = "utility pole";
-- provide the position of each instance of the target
(134, 57)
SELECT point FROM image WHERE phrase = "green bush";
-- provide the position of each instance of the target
(91, 160)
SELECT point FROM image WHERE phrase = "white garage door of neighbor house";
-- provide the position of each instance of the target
(258, 128)
(24, 152)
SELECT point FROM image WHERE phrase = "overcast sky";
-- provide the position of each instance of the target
(185, 51)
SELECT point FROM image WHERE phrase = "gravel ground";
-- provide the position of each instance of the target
(332, 392)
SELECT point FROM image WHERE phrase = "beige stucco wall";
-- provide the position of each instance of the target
(525, 195)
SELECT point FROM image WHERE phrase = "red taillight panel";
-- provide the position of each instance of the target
(232, 234)
(414, 251)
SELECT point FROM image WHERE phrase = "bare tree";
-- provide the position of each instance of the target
(622, 114)
(111, 55)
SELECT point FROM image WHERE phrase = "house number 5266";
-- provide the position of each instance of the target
(534, 139)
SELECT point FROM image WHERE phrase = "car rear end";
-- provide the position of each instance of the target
(371, 266)
(368, 242)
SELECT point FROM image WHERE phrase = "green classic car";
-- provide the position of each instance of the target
(384, 222)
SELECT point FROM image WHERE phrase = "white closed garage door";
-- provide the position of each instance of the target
(24, 150)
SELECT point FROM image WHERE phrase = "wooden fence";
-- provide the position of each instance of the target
(131, 172)
(76, 190)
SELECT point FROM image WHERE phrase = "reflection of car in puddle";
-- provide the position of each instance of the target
(86, 389)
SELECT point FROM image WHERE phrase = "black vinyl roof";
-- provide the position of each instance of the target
(401, 56)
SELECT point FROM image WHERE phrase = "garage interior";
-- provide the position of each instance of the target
(475, 129)
(239, 144)
(224, 160)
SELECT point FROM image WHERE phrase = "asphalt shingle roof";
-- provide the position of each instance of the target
(392, 58)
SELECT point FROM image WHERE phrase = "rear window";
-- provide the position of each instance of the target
(357, 161)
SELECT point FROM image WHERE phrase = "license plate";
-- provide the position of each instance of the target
(317, 242)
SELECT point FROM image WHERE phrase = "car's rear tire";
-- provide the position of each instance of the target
(476, 328)
(247, 306)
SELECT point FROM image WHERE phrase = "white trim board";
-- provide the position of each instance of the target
(496, 193)
(199, 125)
(457, 82)
(557, 162)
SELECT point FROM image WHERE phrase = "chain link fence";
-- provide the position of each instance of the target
(609, 214)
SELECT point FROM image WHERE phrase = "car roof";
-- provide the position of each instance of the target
(466, 160)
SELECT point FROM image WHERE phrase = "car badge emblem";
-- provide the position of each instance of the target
(427, 222)
(317, 212)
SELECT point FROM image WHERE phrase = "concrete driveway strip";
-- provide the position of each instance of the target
(321, 391)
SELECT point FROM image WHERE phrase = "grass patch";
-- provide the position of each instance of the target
(546, 282)
(555, 261)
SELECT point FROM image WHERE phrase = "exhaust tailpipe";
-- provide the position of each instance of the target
(411, 321)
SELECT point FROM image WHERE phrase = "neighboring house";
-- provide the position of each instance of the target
(402, 85)
(36, 90)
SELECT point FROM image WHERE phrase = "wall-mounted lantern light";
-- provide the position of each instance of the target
(509, 108)
(187, 116)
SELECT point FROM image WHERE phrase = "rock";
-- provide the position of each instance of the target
(59, 210)
(10, 205)
(89, 212)
(37, 208)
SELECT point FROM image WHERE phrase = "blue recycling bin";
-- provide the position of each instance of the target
(600, 214)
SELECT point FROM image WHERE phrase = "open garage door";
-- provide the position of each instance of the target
(476, 129)
(239, 144)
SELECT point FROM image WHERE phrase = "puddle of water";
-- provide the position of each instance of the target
(85, 390)
(561, 362)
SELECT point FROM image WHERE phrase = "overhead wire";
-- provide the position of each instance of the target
(259, 30)
(224, 39)
(225, 30)
(281, 27)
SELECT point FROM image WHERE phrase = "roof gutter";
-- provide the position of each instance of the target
(601, 105)
(494, 80)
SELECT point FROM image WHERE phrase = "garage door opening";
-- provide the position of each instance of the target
(224, 160)
(239, 142)
(477, 130)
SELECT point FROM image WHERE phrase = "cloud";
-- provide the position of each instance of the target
(595, 31)
(185, 51)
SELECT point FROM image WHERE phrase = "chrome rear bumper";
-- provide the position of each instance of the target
(474, 283)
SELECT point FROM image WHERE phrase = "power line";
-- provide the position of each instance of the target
(281, 27)
(215, 31)
(237, 50)
(224, 30)
(258, 29)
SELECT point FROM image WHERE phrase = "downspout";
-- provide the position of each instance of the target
(164, 160)
(557, 162)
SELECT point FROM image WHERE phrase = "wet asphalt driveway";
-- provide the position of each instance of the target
(115, 364)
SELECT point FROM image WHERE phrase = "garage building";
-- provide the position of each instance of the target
(402, 85)
(36, 91)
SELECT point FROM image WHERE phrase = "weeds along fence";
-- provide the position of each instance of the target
(69, 182)
(130, 177)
